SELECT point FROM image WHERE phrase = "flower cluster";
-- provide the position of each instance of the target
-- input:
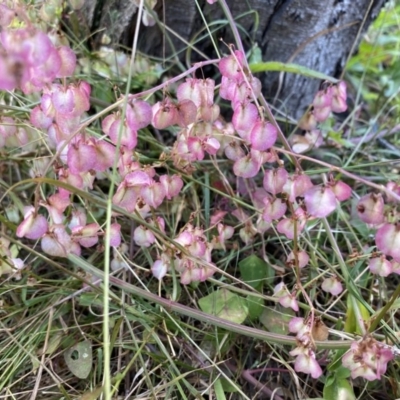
(28, 58)
(286, 299)
(306, 330)
(194, 263)
(367, 358)
(331, 98)
(257, 135)
(380, 212)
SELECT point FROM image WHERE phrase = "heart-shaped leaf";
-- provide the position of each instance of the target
(79, 359)
(277, 319)
(225, 304)
(253, 271)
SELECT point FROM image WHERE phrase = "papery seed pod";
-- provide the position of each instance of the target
(320, 201)
(332, 285)
(232, 66)
(387, 239)
(370, 208)
(263, 135)
(308, 121)
(164, 114)
(302, 258)
(342, 190)
(244, 118)
(138, 114)
(380, 266)
(274, 180)
(68, 62)
(319, 331)
(247, 167)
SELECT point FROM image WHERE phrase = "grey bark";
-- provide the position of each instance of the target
(316, 34)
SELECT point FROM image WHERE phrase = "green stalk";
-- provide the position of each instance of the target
(384, 310)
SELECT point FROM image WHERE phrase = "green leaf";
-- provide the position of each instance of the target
(225, 304)
(253, 271)
(90, 300)
(227, 386)
(255, 306)
(219, 390)
(342, 373)
(255, 56)
(340, 389)
(276, 320)
(330, 380)
(53, 344)
(355, 315)
(337, 137)
(79, 359)
(95, 394)
(293, 68)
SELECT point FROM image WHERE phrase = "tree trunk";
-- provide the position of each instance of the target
(316, 34)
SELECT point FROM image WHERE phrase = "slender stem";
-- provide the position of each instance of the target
(342, 171)
(232, 24)
(172, 306)
(383, 311)
(246, 374)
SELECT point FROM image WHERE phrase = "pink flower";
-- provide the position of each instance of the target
(286, 299)
(306, 362)
(320, 201)
(332, 285)
(367, 358)
(387, 239)
(143, 236)
(370, 208)
(34, 225)
(380, 266)
(160, 267)
(231, 67)
(274, 180)
(302, 258)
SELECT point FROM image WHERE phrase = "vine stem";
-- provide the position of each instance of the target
(173, 306)
(342, 171)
